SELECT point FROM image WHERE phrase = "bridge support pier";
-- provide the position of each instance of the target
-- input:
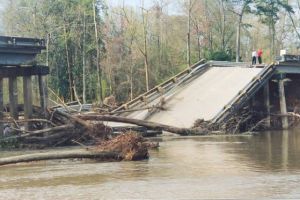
(13, 96)
(43, 88)
(267, 104)
(283, 110)
(1, 105)
(27, 91)
(12, 73)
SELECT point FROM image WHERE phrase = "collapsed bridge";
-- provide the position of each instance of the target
(212, 91)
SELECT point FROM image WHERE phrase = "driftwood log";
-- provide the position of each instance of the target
(147, 124)
(101, 156)
(129, 146)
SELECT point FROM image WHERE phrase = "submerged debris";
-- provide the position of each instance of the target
(129, 146)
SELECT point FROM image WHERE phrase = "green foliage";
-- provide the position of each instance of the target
(10, 143)
(269, 10)
(220, 55)
(70, 29)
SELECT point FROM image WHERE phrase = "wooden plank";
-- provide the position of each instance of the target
(27, 91)
(1, 105)
(43, 87)
(13, 97)
(7, 72)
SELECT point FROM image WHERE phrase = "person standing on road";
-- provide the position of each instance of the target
(259, 55)
(254, 56)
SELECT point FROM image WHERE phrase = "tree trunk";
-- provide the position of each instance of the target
(238, 39)
(272, 41)
(223, 24)
(145, 48)
(83, 62)
(199, 46)
(69, 65)
(147, 124)
(189, 36)
(99, 73)
(100, 156)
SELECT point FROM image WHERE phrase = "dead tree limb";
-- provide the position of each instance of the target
(61, 155)
(59, 136)
(27, 120)
(76, 119)
(147, 124)
(39, 132)
(137, 109)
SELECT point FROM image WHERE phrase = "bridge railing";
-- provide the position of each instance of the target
(162, 88)
(244, 95)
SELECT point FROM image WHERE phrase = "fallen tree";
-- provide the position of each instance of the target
(147, 124)
(128, 146)
(60, 155)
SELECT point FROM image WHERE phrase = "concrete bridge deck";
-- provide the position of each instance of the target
(197, 95)
(204, 97)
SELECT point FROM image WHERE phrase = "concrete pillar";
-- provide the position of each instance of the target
(1, 105)
(285, 149)
(43, 87)
(13, 97)
(27, 90)
(267, 104)
(282, 101)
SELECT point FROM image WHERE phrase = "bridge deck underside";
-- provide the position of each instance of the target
(203, 98)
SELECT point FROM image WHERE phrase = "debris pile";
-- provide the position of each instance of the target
(129, 146)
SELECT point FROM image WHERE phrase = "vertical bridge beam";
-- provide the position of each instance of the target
(13, 97)
(1, 105)
(43, 94)
(283, 110)
(267, 104)
(27, 90)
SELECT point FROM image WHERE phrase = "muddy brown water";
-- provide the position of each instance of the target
(236, 167)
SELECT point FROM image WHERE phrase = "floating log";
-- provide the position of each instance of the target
(129, 146)
(101, 156)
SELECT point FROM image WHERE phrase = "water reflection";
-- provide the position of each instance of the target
(265, 165)
(272, 151)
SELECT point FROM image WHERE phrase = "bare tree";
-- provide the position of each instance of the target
(83, 61)
(99, 74)
(239, 8)
(145, 52)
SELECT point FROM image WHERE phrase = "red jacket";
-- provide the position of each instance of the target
(259, 53)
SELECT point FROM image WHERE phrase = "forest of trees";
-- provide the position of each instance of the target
(96, 50)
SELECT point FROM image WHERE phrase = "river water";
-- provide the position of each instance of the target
(236, 167)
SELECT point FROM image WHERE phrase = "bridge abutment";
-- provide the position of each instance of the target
(17, 62)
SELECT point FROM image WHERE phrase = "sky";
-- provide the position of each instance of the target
(133, 3)
(1, 8)
(172, 6)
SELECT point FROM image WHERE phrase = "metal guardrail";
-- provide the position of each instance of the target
(159, 90)
(244, 95)
(229, 64)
